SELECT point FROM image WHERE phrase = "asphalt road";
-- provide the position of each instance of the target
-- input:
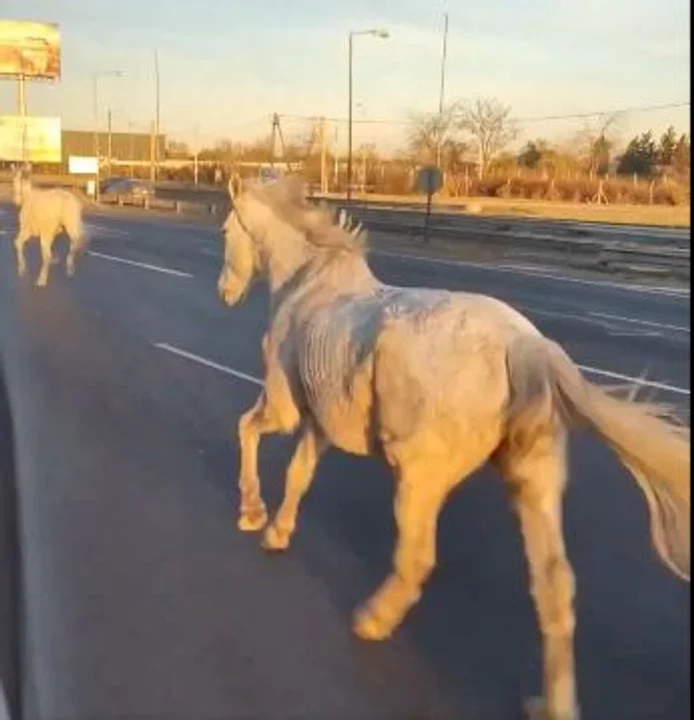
(144, 601)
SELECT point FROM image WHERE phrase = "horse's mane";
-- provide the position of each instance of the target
(287, 199)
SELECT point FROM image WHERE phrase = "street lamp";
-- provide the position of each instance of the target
(376, 32)
(95, 96)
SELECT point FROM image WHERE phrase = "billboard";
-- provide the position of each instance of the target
(31, 49)
(30, 139)
(82, 165)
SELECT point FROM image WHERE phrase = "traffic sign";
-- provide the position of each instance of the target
(429, 179)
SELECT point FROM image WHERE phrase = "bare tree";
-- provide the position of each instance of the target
(430, 134)
(490, 124)
(178, 149)
(595, 144)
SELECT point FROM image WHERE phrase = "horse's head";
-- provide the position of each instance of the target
(241, 258)
(256, 230)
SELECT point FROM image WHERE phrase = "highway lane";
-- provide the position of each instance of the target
(145, 600)
(603, 324)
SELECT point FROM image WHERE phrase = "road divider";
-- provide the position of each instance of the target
(642, 251)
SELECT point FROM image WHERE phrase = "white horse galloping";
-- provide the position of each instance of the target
(436, 383)
(44, 214)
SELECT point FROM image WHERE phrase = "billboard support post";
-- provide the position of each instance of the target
(21, 85)
(22, 96)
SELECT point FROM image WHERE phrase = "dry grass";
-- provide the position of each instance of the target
(622, 214)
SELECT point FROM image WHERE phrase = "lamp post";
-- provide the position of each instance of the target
(95, 96)
(376, 32)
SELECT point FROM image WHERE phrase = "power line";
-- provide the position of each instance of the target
(528, 119)
(622, 111)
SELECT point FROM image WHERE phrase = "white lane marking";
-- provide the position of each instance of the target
(648, 289)
(633, 333)
(134, 263)
(209, 363)
(637, 381)
(257, 381)
(106, 230)
(637, 321)
(611, 329)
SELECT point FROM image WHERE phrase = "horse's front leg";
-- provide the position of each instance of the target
(300, 474)
(265, 417)
(19, 242)
(46, 259)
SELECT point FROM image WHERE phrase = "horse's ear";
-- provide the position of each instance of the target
(234, 186)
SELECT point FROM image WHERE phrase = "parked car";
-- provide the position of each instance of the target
(132, 187)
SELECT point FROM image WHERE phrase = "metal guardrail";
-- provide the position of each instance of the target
(165, 204)
(599, 243)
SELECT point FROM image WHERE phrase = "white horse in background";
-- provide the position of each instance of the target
(44, 214)
(437, 383)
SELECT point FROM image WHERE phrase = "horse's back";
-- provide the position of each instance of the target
(390, 363)
(440, 369)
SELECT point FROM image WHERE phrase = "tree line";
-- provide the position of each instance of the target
(471, 140)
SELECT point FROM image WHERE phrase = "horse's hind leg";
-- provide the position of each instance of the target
(421, 490)
(46, 260)
(537, 477)
(70, 260)
(300, 474)
(75, 243)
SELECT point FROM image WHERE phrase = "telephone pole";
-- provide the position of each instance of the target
(155, 157)
(323, 156)
(442, 89)
(110, 142)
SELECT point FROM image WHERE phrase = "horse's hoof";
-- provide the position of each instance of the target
(41, 283)
(536, 709)
(252, 521)
(367, 626)
(275, 540)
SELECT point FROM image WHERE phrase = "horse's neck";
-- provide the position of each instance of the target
(25, 195)
(325, 275)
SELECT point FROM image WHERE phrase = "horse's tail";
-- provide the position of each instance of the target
(646, 436)
(73, 222)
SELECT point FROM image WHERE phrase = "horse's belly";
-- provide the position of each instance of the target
(348, 428)
(346, 415)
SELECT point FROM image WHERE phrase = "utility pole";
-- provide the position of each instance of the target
(273, 138)
(95, 93)
(156, 117)
(323, 156)
(350, 100)
(152, 150)
(442, 89)
(131, 138)
(110, 142)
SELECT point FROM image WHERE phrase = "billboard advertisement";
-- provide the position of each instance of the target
(30, 139)
(82, 165)
(31, 49)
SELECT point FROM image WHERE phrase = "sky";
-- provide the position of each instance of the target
(226, 65)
